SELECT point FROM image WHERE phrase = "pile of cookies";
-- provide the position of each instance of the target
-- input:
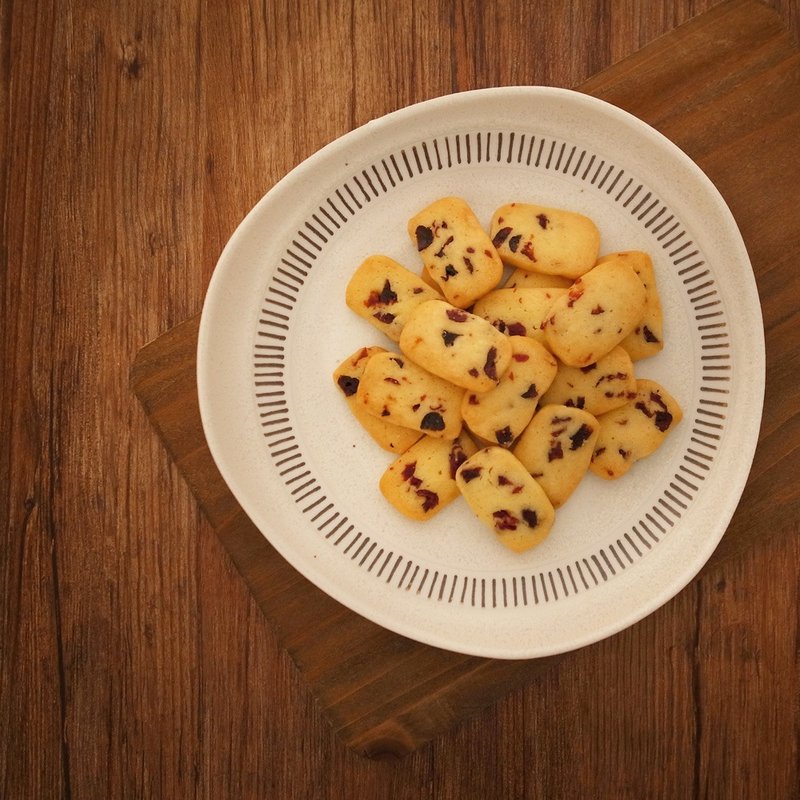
(506, 395)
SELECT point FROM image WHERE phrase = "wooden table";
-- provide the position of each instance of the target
(135, 661)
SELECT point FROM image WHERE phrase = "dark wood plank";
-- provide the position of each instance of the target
(360, 691)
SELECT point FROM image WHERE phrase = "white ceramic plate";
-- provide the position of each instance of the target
(275, 326)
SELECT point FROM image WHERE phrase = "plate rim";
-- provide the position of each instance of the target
(203, 349)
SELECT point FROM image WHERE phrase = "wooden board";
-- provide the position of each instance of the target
(726, 88)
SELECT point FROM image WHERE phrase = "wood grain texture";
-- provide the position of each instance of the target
(134, 661)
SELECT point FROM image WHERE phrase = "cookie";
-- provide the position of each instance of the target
(456, 345)
(456, 251)
(423, 480)
(347, 376)
(635, 430)
(518, 311)
(597, 312)
(647, 338)
(500, 415)
(384, 293)
(598, 387)
(549, 240)
(504, 496)
(396, 390)
(525, 279)
(556, 449)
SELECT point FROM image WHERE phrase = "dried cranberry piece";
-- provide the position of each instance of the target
(504, 435)
(580, 436)
(527, 251)
(521, 357)
(424, 237)
(457, 457)
(470, 266)
(449, 338)
(384, 316)
(555, 452)
(663, 420)
(470, 474)
(490, 367)
(531, 517)
(348, 384)
(456, 315)
(440, 254)
(588, 368)
(408, 470)
(530, 393)
(432, 421)
(598, 309)
(387, 295)
(516, 329)
(543, 220)
(501, 236)
(429, 499)
(649, 336)
(505, 520)
(513, 243)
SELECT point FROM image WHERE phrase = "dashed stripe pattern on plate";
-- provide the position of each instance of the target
(540, 153)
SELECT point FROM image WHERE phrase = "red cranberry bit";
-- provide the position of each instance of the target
(418, 290)
(490, 367)
(530, 393)
(588, 368)
(348, 384)
(527, 251)
(598, 452)
(504, 435)
(663, 420)
(575, 294)
(456, 315)
(392, 380)
(474, 372)
(415, 407)
(626, 454)
(384, 317)
(555, 451)
(501, 236)
(449, 272)
(440, 254)
(505, 520)
(470, 249)
(530, 517)
(424, 237)
(429, 499)
(449, 338)
(388, 296)
(649, 336)
(521, 357)
(513, 243)
(399, 362)
(543, 221)
(516, 329)
(598, 309)
(385, 412)
(644, 409)
(473, 400)
(470, 474)
(656, 398)
(580, 436)
(560, 420)
(432, 421)
(457, 458)
(578, 402)
(500, 325)
(408, 475)
(469, 265)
